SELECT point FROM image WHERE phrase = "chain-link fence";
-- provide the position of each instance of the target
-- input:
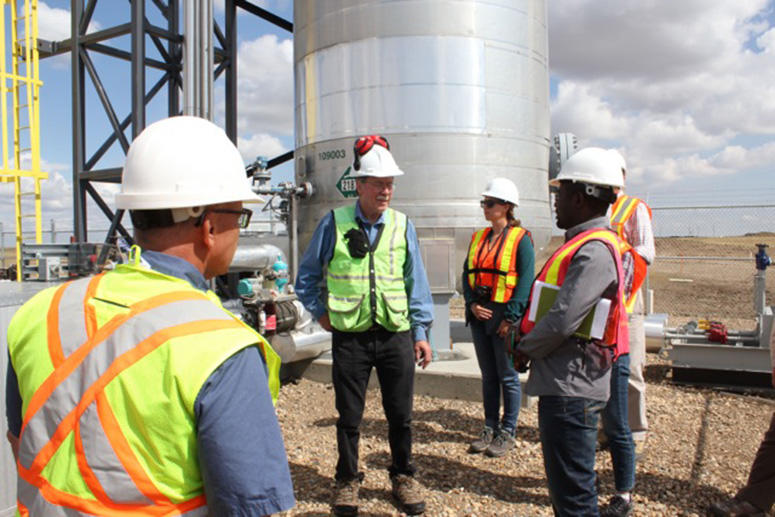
(705, 262)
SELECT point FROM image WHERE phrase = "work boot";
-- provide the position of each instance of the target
(617, 506)
(346, 497)
(502, 444)
(484, 441)
(408, 492)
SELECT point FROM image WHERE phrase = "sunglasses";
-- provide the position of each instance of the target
(364, 144)
(489, 203)
(244, 215)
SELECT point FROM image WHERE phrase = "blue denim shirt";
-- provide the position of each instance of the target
(320, 251)
(241, 451)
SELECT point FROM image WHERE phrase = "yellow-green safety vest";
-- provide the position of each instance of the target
(369, 290)
(109, 368)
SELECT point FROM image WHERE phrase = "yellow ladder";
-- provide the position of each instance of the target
(24, 83)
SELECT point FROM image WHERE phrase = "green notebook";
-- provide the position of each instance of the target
(593, 325)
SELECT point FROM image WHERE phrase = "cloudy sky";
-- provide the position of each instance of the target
(683, 88)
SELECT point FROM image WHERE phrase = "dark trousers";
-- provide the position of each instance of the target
(617, 427)
(568, 430)
(760, 489)
(498, 376)
(355, 354)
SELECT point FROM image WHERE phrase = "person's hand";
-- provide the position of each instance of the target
(422, 353)
(503, 328)
(521, 362)
(481, 313)
(14, 441)
(325, 322)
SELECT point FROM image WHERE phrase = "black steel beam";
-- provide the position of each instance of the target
(103, 96)
(127, 56)
(264, 14)
(274, 162)
(138, 66)
(111, 175)
(107, 211)
(77, 80)
(230, 46)
(91, 162)
(86, 16)
(174, 52)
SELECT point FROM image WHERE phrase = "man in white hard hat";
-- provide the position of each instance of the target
(379, 310)
(631, 219)
(570, 365)
(140, 393)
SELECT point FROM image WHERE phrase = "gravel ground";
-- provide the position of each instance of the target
(699, 450)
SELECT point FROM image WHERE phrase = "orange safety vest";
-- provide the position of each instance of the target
(622, 210)
(495, 267)
(616, 332)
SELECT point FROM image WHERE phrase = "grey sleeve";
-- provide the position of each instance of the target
(590, 274)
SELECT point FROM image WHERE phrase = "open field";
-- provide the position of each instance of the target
(689, 289)
(700, 448)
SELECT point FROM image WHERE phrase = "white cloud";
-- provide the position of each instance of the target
(266, 86)
(671, 83)
(260, 144)
(54, 25)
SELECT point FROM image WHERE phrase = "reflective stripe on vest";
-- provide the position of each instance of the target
(622, 210)
(72, 400)
(639, 268)
(556, 268)
(368, 290)
(496, 267)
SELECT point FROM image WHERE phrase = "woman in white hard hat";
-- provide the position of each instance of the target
(497, 276)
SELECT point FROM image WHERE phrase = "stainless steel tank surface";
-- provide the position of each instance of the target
(460, 88)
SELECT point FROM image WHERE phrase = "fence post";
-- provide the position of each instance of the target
(53, 232)
(2, 244)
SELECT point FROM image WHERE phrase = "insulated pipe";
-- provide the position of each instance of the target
(255, 257)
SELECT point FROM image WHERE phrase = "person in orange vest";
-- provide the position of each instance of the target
(134, 392)
(497, 275)
(631, 219)
(570, 365)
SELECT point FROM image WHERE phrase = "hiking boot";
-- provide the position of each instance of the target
(735, 508)
(408, 492)
(502, 444)
(617, 506)
(346, 497)
(484, 441)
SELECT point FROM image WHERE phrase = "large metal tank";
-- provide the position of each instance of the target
(459, 87)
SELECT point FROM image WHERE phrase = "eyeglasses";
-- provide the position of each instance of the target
(364, 144)
(244, 215)
(489, 203)
(380, 185)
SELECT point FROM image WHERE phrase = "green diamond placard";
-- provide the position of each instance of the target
(346, 184)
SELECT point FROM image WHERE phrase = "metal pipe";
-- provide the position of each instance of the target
(190, 44)
(79, 137)
(255, 257)
(293, 236)
(138, 67)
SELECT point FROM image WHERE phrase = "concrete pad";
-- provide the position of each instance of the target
(455, 375)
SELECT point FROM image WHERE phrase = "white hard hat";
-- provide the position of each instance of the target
(182, 162)
(503, 189)
(618, 159)
(591, 166)
(377, 163)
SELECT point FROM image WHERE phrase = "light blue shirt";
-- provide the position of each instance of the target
(320, 251)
